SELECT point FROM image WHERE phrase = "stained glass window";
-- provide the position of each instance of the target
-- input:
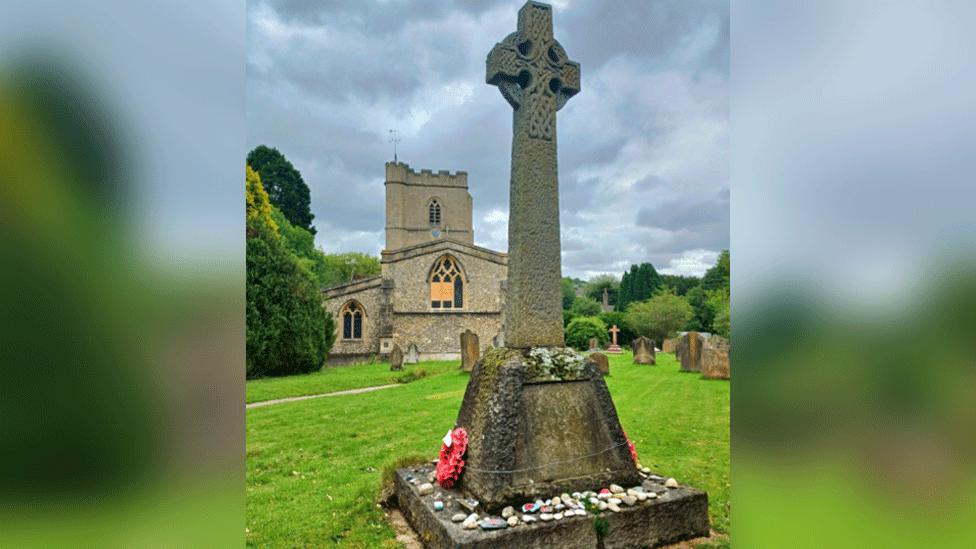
(446, 284)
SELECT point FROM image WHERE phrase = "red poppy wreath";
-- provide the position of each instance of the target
(451, 460)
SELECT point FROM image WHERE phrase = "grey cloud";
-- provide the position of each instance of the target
(655, 78)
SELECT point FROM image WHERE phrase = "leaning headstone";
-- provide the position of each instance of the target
(594, 344)
(688, 351)
(413, 355)
(643, 350)
(470, 350)
(396, 358)
(614, 348)
(715, 358)
(602, 362)
(668, 345)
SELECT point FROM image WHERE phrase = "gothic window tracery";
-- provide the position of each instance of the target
(352, 317)
(446, 284)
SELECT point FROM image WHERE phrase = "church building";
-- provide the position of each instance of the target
(435, 282)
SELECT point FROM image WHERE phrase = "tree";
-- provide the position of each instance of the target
(346, 267)
(585, 306)
(288, 329)
(568, 288)
(719, 275)
(582, 328)
(284, 184)
(680, 283)
(625, 294)
(594, 288)
(718, 302)
(659, 317)
(638, 285)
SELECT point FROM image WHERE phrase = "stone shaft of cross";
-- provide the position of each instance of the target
(536, 77)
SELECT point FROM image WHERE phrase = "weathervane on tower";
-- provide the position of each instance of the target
(394, 138)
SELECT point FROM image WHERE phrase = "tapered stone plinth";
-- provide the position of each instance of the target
(534, 438)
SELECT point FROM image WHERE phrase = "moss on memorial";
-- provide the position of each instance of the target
(557, 363)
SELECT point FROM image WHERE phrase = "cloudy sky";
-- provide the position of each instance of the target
(643, 148)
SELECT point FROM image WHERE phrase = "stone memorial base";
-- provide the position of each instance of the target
(614, 349)
(676, 514)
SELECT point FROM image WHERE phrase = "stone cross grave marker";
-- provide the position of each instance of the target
(614, 348)
(536, 77)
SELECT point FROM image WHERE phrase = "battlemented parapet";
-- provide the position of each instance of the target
(426, 205)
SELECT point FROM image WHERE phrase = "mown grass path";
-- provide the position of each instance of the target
(314, 467)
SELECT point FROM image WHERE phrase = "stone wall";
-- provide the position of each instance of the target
(369, 294)
(408, 194)
(438, 335)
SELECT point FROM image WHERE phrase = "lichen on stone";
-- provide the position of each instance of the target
(554, 363)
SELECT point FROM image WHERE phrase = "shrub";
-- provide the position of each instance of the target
(581, 329)
(568, 317)
(585, 306)
(659, 317)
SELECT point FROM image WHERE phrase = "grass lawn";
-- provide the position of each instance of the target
(337, 378)
(314, 467)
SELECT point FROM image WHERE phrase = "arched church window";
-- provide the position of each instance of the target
(352, 317)
(446, 284)
(434, 212)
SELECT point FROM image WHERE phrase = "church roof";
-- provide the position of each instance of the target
(441, 244)
(354, 286)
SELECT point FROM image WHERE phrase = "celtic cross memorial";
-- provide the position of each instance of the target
(536, 77)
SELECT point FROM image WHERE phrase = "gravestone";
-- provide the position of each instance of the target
(715, 358)
(396, 358)
(668, 345)
(594, 344)
(602, 362)
(412, 356)
(539, 418)
(688, 351)
(643, 350)
(470, 350)
(614, 348)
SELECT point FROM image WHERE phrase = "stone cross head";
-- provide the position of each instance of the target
(532, 71)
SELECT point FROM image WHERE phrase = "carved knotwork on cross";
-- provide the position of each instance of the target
(532, 71)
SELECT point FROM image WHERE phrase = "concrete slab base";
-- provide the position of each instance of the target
(677, 514)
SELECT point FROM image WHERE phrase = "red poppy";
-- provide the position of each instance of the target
(633, 451)
(450, 462)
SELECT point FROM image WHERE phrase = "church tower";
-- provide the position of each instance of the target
(424, 206)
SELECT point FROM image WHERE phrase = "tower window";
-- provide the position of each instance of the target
(446, 284)
(434, 213)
